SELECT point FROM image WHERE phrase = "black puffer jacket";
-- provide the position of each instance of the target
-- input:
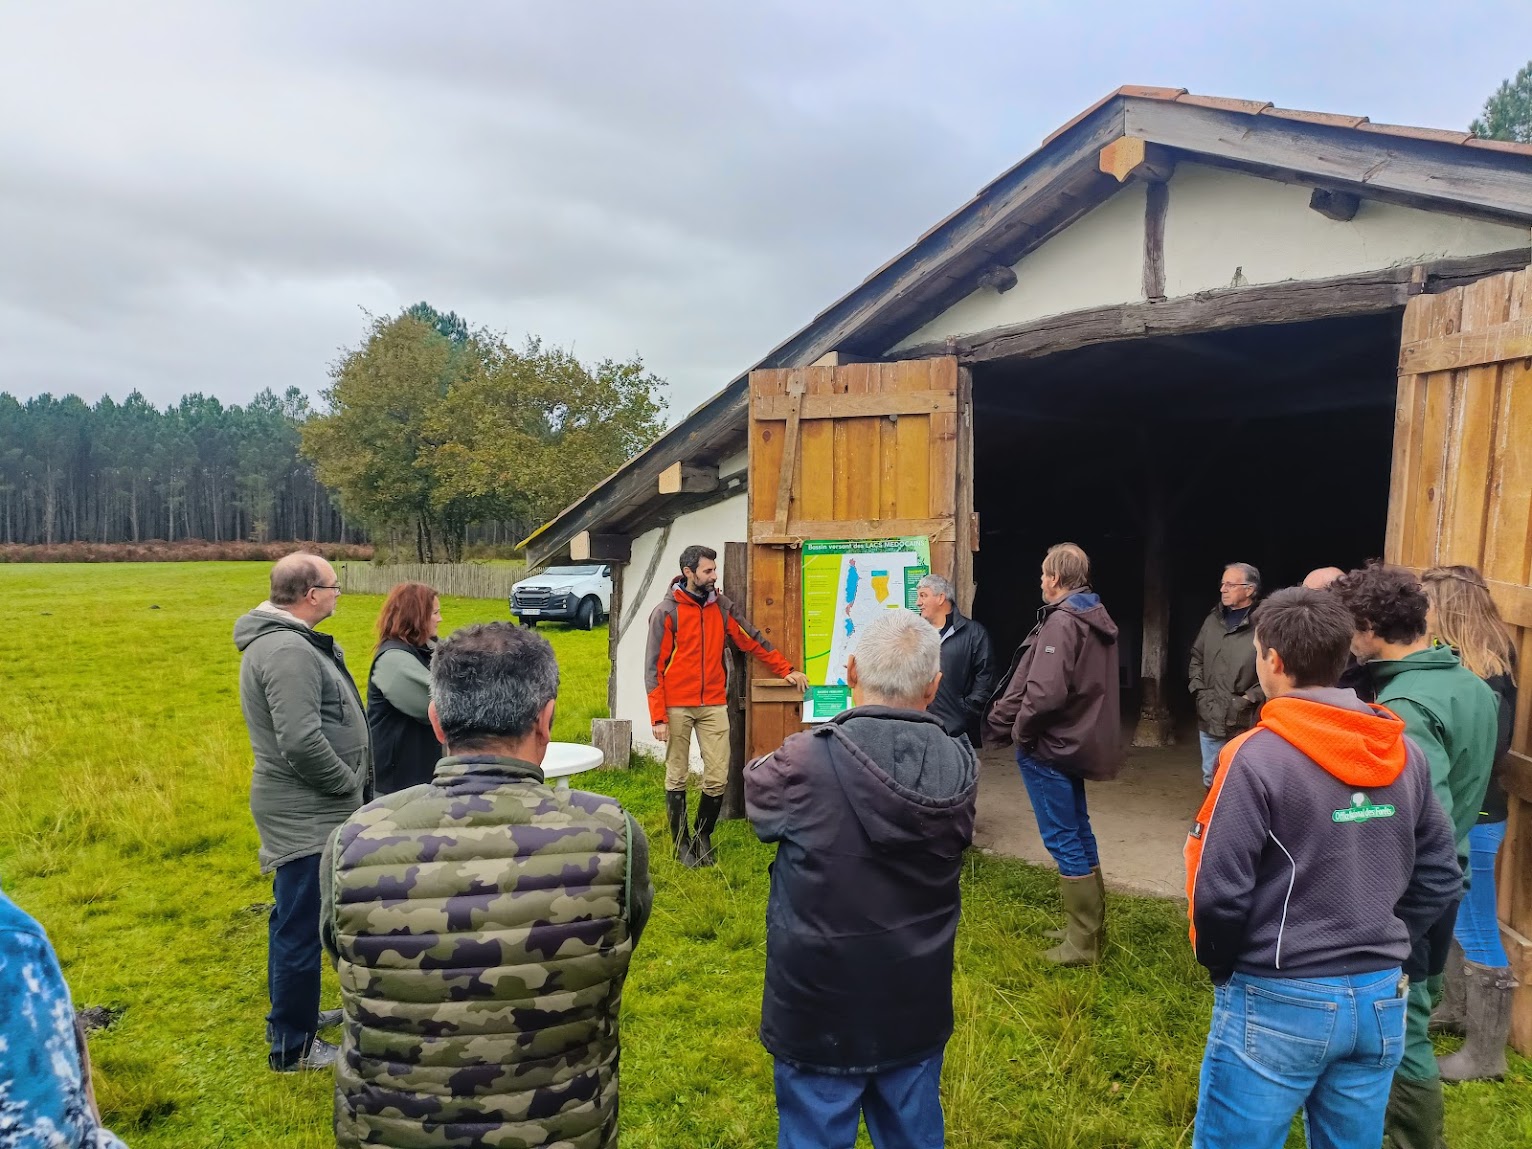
(968, 677)
(871, 813)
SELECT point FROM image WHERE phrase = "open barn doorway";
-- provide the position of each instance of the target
(1269, 445)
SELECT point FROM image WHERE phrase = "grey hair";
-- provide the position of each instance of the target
(938, 585)
(897, 655)
(491, 681)
(1248, 572)
(292, 577)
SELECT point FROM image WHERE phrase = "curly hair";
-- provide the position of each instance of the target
(1387, 600)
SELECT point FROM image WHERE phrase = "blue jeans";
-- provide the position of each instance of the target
(1478, 927)
(1210, 748)
(1058, 801)
(1327, 1045)
(903, 1107)
(293, 957)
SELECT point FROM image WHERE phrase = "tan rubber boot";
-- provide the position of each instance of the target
(1059, 935)
(1084, 913)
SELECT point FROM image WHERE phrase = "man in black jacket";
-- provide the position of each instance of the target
(1320, 857)
(871, 813)
(968, 667)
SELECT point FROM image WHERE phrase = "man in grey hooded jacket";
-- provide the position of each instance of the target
(313, 766)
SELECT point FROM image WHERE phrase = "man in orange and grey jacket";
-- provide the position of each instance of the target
(1319, 859)
(684, 674)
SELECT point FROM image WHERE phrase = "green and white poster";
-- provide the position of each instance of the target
(845, 585)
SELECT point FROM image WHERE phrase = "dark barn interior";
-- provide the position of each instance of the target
(1269, 445)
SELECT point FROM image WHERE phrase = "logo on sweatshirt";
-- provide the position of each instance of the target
(1361, 810)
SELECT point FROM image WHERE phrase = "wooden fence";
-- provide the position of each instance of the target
(462, 580)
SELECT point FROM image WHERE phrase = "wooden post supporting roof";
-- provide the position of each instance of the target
(1154, 725)
(686, 479)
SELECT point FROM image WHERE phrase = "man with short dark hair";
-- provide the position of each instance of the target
(1317, 862)
(482, 926)
(684, 674)
(871, 813)
(313, 767)
(1222, 676)
(968, 667)
(1453, 716)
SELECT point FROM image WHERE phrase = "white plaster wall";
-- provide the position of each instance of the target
(723, 522)
(1225, 228)
(1097, 260)
(1221, 228)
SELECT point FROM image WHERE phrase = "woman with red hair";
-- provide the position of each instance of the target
(404, 747)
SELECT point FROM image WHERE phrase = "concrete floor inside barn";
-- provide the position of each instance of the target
(1140, 818)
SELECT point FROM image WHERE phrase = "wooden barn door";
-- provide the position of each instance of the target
(865, 451)
(1462, 493)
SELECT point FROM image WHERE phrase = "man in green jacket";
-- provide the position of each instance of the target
(1454, 717)
(313, 764)
(1222, 673)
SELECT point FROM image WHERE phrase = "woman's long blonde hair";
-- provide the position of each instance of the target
(1465, 617)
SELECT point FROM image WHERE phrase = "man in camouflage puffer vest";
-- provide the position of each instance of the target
(482, 926)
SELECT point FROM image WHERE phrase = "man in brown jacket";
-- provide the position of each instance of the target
(1059, 706)
(1222, 673)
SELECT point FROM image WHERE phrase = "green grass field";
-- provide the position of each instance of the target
(124, 828)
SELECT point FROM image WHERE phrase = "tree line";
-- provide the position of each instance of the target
(431, 435)
(116, 472)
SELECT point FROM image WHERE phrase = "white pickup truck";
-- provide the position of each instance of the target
(580, 595)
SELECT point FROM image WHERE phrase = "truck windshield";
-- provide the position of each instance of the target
(573, 570)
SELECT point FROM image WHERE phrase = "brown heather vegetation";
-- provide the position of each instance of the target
(181, 551)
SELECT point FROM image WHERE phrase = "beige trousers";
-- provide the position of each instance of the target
(712, 726)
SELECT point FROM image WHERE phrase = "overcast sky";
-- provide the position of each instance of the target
(207, 196)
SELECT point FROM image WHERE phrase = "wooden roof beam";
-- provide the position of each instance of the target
(586, 547)
(682, 478)
(1129, 158)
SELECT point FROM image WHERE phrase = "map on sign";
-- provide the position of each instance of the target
(846, 585)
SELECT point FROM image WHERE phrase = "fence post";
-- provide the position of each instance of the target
(614, 738)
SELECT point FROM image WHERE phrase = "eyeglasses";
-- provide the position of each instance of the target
(1233, 585)
(324, 586)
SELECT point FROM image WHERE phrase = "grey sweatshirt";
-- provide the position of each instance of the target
(308, 731)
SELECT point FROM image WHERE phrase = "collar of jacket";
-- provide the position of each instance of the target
(462, 765)
(679, 592)
(1222, 613)
(325, 642)
(902, 713)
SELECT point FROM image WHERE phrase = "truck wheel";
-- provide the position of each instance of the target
(529, 623)
(585, 617)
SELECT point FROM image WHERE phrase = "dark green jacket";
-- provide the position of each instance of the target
(482, 926)
(313, 756)
(1222, 676)
(1452, 716)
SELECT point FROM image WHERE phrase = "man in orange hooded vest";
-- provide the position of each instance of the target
(1320, 857)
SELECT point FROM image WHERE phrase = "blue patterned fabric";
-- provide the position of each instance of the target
(42, 1090)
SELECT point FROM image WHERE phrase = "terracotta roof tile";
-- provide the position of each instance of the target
(1501, 146)
(1438, 134)
(1219, 103)
(1059, 131)
(1327, 118)
(1143, 92)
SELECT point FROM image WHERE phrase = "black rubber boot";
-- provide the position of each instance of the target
(1450, 1014)
(708, 807)
(1416, 1115)
(1482, 1057)
(675, 814)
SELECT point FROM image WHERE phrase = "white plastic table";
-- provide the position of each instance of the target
(565, 759)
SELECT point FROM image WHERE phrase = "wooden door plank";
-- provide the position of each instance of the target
(967, 530)
(1508, 549)
(943, 446)
(1470, 348)
(1470, 442)
(1421, 320)
(913, 437)
(788, 473)
(765, 451)
(815, 482)
(888, 450)
(816, 407)
(862, 450)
